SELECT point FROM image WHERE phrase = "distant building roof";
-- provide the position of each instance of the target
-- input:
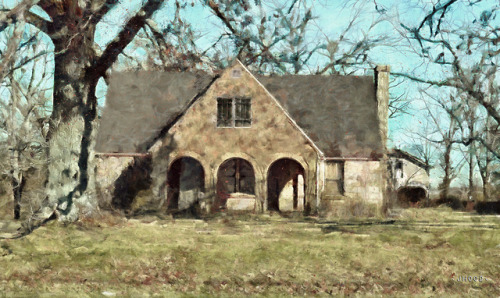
(397, 153)
(339, 113)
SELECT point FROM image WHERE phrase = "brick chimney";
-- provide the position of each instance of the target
(382, 93)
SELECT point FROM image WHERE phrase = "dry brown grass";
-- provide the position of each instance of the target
(422, 253)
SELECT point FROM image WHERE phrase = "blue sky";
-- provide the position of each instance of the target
(331, 19)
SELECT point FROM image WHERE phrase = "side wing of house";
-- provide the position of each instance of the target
(407, 173)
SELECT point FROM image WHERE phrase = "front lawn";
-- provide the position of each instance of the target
(425, 251)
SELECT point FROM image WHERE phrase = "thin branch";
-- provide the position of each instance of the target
(110, 54)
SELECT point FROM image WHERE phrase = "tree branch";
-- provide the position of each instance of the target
(110, 54)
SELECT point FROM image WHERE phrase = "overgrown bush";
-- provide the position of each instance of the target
(451, 201)
(487, 207)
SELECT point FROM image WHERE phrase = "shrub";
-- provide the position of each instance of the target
(451, 201)
(488, 207)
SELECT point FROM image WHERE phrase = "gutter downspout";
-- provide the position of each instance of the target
(321, 160)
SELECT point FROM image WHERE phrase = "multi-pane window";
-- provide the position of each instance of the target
(234, 112)
(242, 112)
(224, 112)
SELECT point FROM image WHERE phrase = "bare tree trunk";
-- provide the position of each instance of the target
(71, 186)
(445, 184)
(484, 159)
(484, 172)
(486, 184)
(15, 173)
(471, 154)
(471, 174)
(17, 182)
(17, 187)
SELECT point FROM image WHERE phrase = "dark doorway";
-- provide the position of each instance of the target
(280, 173)
(186, 180)
(235, 175)
(411, 196)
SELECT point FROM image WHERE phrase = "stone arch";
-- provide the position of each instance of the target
(234, 176)
(206, 168)
(296, 157)
(279, 173)
(259, 176)
(186, 183)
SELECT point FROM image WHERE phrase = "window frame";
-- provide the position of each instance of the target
(340, 179)
(223, 101)
(236, 117)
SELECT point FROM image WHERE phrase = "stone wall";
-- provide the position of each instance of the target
(352, 189)
(364, 180)
(108, 169)
(123, 182)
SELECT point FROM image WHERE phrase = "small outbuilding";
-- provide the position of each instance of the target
(409, 178)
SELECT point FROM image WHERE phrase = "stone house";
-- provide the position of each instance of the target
(409, 177)
(243, 142)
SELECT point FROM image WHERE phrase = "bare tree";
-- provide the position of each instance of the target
(26, 144)
(276, 40)
(445, 136)
(467, 53)
(398, 103)
(24, 109)
(173, 48)
(484, 158)
(418, 144)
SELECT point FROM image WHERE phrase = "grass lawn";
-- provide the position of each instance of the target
(423, 252)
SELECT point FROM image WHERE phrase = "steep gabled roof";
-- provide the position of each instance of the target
(338, 113)
(139, 104)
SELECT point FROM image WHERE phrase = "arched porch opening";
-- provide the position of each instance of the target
(235, 177)
(283, 174)
(186, 182)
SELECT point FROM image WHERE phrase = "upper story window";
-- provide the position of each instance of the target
(234, 112)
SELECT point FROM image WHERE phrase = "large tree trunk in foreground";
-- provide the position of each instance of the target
(71, 187)
(71, 180)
